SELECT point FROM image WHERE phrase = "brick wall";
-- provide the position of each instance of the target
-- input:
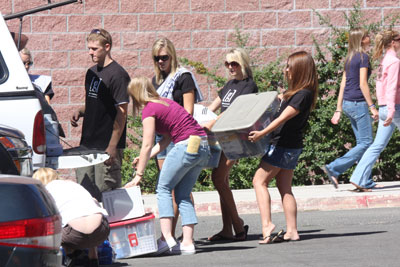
(200, 29)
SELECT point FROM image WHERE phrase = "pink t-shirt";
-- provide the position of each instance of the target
(388, 82)
(173, 120)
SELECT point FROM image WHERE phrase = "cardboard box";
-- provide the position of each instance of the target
(133, 237)
(247, 113)
(123, 203)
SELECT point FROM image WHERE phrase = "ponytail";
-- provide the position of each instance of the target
(383, 40)
(378, 48)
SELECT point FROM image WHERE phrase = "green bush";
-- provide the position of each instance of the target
(323, 141)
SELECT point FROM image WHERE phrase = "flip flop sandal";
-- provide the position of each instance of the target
(361, 189)
(219, 238)
(242, 236)
(331, 178)
(263, 240)
(278, 238)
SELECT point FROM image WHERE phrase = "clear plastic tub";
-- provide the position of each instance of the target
(133, 237)
(247, 113)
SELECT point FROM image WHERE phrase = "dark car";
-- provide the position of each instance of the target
(15, 154)
(30, 224)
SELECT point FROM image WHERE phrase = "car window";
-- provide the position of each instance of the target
(24, 201)
(3, 70)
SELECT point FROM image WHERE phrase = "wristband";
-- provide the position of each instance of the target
(139, 174)
(338, 111)
(372, 106)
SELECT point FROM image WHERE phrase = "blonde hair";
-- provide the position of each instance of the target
(303, 75)
(384, 40)
(45, 175)
(26, 51)
(101, 35)
(240, 56)
(142, 91)
(356, 36)
(169, 46)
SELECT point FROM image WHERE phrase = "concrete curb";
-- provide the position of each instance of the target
(319, 197)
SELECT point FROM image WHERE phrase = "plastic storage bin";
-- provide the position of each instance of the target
(123, 203)
(133, 237)
(252, 112)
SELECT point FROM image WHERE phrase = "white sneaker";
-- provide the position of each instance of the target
(183, 250)
(164, 246)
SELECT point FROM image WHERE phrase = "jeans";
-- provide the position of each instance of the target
(361, 122)
(180, 172)
(163, 154)
(362, 175)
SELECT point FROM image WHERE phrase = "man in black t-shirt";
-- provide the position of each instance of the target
(104, 115)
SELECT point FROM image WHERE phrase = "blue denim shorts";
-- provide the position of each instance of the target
(163, 154)
(284, 158)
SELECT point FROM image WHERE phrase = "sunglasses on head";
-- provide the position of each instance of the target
(396, 39)
(162, 58)
(97, 31)
(232, 63)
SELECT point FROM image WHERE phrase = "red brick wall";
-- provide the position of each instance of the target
(200, 29)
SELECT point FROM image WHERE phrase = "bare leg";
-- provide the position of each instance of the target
(187, 235)
(230, 216)
(284, 183)
(262, 177)
(166, 227)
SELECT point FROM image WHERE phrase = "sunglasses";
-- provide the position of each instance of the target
(97, 31)
(233, 64)
(396, 39)
(29, 63)
(162, 58)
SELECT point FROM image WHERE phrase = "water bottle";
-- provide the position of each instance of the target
(105, 253)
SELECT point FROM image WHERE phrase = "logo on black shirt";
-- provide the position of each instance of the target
(94, 87)
(229, 95)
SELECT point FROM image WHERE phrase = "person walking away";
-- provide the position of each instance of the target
(104, 115)
(388, 95)
(286, 145)
(354, 100)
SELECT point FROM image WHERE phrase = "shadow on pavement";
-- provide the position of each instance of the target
(387, 187)
(204, 249)
(317, 236)
(116, 264)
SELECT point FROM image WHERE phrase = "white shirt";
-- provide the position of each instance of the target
(72, 200)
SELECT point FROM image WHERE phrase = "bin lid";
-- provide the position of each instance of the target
(147, 216)
(245, 111)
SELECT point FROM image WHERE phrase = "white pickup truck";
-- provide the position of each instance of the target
(21, 108)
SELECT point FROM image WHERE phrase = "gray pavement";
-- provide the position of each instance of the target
(316, 197)
(337, 227)
(351, 238)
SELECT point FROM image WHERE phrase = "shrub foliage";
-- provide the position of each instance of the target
(323, 141)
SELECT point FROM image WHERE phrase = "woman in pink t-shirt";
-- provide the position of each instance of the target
(388, 95)
(182, 165)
